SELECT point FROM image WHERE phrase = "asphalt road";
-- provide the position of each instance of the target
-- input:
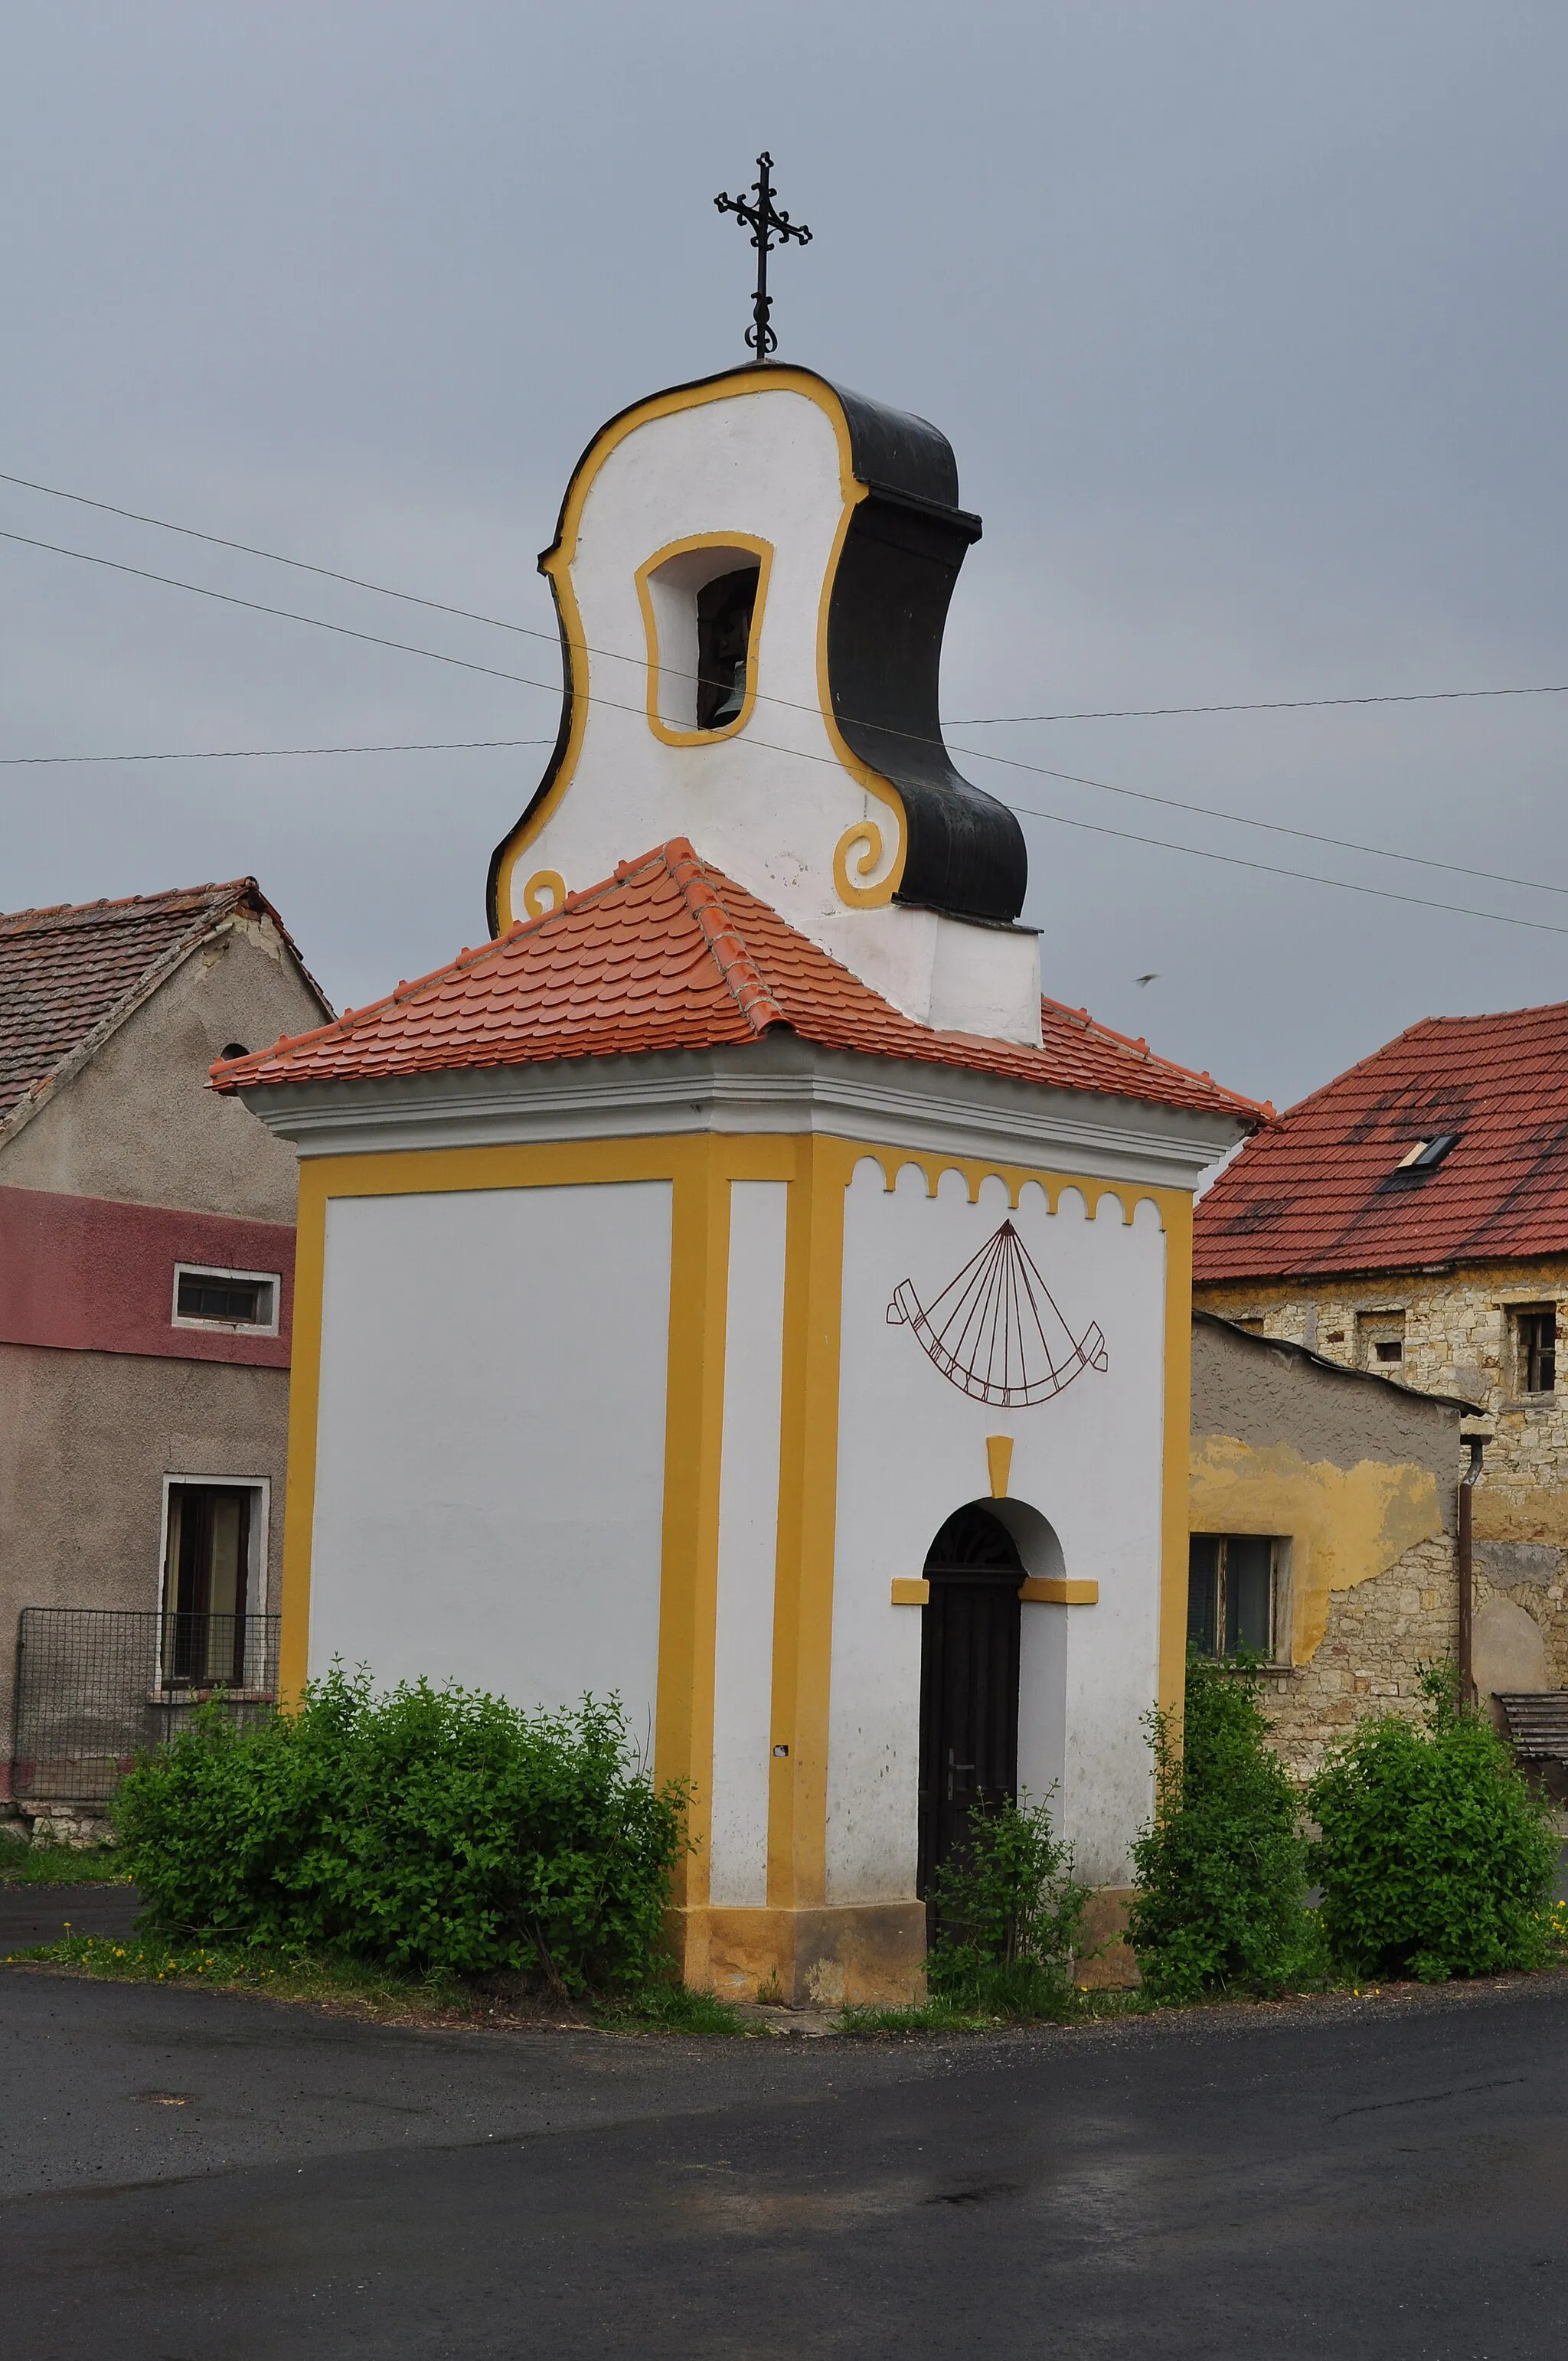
(193, 2177)
(41, 1914)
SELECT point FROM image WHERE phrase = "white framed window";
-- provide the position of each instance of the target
(212, 1580)
(243, 1300)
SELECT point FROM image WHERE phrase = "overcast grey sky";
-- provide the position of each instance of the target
(1245, 323)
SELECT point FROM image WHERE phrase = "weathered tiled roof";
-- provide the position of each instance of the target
(71, 975)
(671, 954)
(1322, 1187)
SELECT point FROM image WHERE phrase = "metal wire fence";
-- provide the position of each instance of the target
(96, 1687)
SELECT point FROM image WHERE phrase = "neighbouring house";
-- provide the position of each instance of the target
(1325, 1511)
(732, 1286)
(147, 1242)
(1411, 1221)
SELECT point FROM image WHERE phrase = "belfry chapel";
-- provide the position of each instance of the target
(732, 1285)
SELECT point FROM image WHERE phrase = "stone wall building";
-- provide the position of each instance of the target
(1323, 1512)
(1411, 1221)
(147, 1248)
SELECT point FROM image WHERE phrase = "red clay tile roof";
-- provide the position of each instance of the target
(1319, 1190)
(68, 976)
(671, 954)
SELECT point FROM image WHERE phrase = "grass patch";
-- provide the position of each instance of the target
(57, 1864)
(669, 2008)
(154, 1959)
(364, 1989)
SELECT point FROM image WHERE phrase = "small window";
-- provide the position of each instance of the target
(1382, 1337)
(1233, 1583)
(206, 1586)
(1535, 1348)
(225, 1299)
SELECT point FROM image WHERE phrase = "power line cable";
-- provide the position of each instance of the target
(532, 631)
(1275, 826)
(289, 614)
(272, 753)
(301, 564)
(1232, 860)
(1261, 705)
(1269, 869)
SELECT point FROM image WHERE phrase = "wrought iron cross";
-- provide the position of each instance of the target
(768, 227)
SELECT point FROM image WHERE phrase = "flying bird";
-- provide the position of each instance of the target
(1153, 977)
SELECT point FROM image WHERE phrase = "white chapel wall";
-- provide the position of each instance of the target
(748, 1543)
(912, 1449)
(492, 1441)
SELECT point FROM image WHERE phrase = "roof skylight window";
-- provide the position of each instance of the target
(1428, 1152)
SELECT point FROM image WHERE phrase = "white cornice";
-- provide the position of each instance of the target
(783, 1084)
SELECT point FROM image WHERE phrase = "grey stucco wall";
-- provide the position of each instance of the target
(85, 1441)
(139, 1124)
(1264, 1393)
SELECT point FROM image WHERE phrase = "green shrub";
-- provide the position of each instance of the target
(1222, 1869)
(1435, 1859)
(1008, 1914)
(432, 1830)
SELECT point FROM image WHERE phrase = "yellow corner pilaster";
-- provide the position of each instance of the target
(1176, 1207)
(809, 1482)
(304, 1401)
(694, 1431)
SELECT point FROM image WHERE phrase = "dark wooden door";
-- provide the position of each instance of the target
(969, 1681)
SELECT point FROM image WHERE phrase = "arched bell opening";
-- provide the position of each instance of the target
(969, 1646)
(702, 606)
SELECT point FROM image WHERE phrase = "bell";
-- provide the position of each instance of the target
(728, 709)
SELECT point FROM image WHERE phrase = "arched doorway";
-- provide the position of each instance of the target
(968, 1679)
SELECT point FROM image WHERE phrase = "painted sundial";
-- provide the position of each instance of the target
(996, 1332)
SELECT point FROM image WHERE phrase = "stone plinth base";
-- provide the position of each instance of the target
(860, 1954)
(1111, 1965)
(868, 1952)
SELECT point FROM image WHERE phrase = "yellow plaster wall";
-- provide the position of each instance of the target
(1346, 1525)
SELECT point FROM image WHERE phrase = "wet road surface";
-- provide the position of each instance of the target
(185, 2174)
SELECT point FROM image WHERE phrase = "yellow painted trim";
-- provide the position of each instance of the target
(999, 1463)
(910, 1590)
(865, 841)
(542, 882)
(808, 1507)
(974, 1170)
(1177, 1451)
(1057, 1590)
(557, 564)
(762, 551)
(305, 1399)
(694, 1429)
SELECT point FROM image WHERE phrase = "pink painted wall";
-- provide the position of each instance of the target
(90, 1275)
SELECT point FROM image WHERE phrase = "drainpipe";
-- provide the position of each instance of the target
(1467, 1569)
